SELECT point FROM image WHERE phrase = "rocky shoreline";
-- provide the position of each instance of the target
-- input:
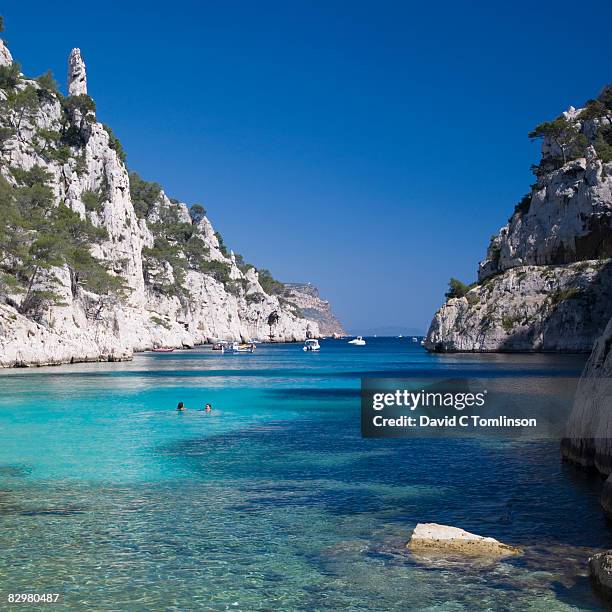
(545, 285)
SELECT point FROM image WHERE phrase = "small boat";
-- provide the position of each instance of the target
(218, 346)
(422, 342)
(358, 341)
(311, 345)
(242, 347)
(415, 339)
(163, 350)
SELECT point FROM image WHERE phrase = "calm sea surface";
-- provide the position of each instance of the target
(112, 499)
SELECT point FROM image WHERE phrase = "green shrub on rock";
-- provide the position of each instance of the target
(456, 289)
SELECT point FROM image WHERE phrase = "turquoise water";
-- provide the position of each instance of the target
(114, 500)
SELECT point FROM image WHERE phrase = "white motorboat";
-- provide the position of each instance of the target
(242, 348)
(415, 339)
(311, 345)
(358, 341)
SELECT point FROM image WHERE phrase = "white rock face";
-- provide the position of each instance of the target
(88, 327)
(77, 77)
(566, 218)
(6, 59)
(531, 308)
(443, 538)
(532, 293)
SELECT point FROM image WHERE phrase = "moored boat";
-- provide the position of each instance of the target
(242, 347)
(311, 345)
(161, 349)
(358, 341)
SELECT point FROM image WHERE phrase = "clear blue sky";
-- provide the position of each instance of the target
(371, 148)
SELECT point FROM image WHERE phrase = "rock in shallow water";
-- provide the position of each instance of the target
(600, 570)
(431, 536)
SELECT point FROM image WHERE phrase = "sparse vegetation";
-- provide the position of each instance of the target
(472, 298)
(561, 295)
(255, 297)
(197, 213)
(509, 321)
(92, 201)
(36, 236)
(522, 208)
(48, 84)
(222, 246)
(599, 107)
(456, 289)
(115, 144)
(243, 266)
(269, 284)
(9, 76)
(145, 194)
(159, 321)
(564, 134)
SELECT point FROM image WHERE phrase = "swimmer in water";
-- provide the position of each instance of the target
(180, 407)
(208, 409)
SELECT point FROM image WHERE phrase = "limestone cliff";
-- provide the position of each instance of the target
(589, 430)
(152, 274)
(528, 308)
(545, 282)
(306, 297)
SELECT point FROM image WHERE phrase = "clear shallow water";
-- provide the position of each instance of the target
(115, 501)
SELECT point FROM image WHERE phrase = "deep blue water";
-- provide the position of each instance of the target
(112, 499)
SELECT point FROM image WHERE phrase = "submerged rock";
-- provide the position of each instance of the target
(432, 536)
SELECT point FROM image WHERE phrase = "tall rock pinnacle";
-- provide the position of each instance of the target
(77, 78)
(6, 59)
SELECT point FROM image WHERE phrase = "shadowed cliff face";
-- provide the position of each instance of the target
(174, 282)
(545, 283)
(589, 430)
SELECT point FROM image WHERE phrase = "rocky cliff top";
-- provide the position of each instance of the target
(306, 297)
(567, 214)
